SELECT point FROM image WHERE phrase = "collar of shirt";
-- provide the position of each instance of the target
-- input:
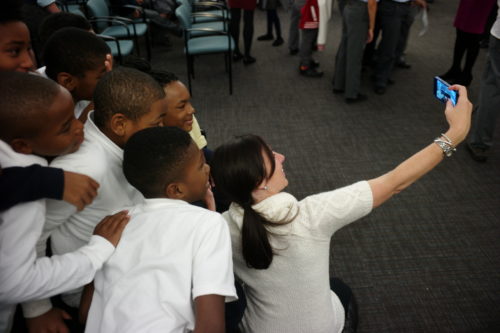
(10, 158)
(93, 133)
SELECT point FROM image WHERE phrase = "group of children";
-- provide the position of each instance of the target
(136, 151)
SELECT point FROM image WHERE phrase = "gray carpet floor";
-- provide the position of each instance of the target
(429, 259)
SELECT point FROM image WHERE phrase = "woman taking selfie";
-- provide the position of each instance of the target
(281, 246)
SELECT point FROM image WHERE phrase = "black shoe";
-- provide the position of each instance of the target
(294, 51)
(359, 98)
(279, 41)
(247, 60)
(390, 82)
(338, 91)
(310, 72)
(451, 76)
(314, 64)
(237, 56)
(403, 64)
(379, 90)
(477, 154)
(464, 79)
(265, 37)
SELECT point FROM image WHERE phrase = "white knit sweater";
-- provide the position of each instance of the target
(293, 294)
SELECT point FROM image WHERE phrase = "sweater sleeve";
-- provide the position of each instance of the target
(31, 183)
(329, 211)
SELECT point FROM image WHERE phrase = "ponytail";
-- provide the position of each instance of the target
(257, 250)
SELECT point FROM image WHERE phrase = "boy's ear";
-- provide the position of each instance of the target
(67, 80)
(21, 146)
(175, 191)
(119, 124)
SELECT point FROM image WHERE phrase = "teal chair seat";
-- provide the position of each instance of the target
(209, 44)
(120, 31)
(126, 47)
(219, 26)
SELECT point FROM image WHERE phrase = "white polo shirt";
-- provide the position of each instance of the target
(170, 253)
(24, 277)
(98, 157)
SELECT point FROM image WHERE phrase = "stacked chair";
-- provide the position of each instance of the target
(205, 32)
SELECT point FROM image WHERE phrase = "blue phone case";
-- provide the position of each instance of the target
(442, 92)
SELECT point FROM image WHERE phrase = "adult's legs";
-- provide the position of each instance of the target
(473, 46)
(275, 20)
(247, 30)
(405, 33)
(391, 15)
(344, 293)
(458, 53)
(293, 36)
(483, 127)
(340, 59)
(357, 28)
(234, 29)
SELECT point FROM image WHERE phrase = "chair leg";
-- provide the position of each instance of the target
(137, 46)
(230, 73)
(188, 62)
(148, 44)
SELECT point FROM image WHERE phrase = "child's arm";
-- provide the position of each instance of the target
(85, 302)
(372, 12)
(209, 313)
(35, 182)
(26, 278)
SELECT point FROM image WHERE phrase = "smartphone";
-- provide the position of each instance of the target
(442, 92)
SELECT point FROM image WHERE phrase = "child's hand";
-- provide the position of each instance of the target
(111, 227)
(79, 190)
(209, 200)
(51, 321)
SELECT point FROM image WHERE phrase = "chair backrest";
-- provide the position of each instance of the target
(183, 14)
(98, 8)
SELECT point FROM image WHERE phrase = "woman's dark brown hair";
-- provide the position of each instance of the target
(238, 167)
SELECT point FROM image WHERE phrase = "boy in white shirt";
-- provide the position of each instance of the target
(173, 267)
(36, 119)
(126, 101)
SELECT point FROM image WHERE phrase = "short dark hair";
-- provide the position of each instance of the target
(10, 10)
(24, 101)
(73, 51)
(126, 91)
(163, 77)
(57, 21)
(237, 168)
(154, 158)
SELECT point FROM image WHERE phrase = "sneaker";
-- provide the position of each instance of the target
(403, 64)
(477, 154)
(359, 98)
(279, 41)
(247, 60)
(308, 71)
(265, 37)
(314, 64)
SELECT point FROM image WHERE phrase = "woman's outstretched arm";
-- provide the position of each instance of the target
(405, 174)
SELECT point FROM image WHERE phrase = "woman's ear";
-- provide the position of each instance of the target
(118, 124)
(67, 80)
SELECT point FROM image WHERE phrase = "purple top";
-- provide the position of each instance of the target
(472, 15)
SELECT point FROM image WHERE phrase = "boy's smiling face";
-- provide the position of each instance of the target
(15, 47)
(179, 111)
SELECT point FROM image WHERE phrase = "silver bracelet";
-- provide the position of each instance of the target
(446, 146)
